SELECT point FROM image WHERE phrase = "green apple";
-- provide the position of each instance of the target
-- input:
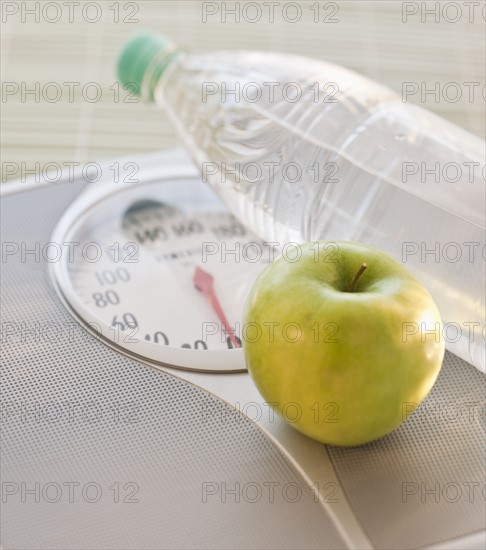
(340, 339)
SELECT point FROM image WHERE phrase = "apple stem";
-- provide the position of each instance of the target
(357, 277)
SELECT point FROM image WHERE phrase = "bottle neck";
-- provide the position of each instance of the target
(154, 71)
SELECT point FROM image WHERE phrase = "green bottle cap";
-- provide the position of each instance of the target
(139, 53)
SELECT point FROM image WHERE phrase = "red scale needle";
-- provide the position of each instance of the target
(203, 281)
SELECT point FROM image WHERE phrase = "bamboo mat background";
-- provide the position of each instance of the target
(370, 38)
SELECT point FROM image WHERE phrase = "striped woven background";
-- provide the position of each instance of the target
(369, 37)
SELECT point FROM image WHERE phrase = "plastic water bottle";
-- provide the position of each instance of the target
(303, 150)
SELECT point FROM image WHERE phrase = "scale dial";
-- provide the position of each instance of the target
(129, 275)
